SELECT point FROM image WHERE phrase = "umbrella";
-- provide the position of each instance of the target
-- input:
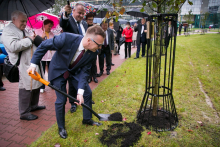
(102, 10)
(122, 21)
(89, 8)
(137, 13)
(133, 21)
(30, 7)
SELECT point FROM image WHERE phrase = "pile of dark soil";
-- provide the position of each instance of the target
(125, 134)
(162, 120)
(115, 117)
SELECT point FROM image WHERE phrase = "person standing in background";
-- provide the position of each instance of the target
(128, 33)
(119, 32)
(45, 33)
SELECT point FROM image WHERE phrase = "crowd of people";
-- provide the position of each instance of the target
(70, 57)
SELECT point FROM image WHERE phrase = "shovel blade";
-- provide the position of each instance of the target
(104, 117)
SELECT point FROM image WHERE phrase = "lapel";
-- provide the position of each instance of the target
(73, 49)
(87, 56)
(108, 36)
(74, 25)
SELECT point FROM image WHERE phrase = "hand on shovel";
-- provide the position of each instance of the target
(80, 99)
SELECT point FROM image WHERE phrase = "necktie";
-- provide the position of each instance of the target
(66, 74)
(80, 30)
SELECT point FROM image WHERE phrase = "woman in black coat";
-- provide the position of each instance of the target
(119, 32)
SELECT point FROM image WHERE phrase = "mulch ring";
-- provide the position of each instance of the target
(124, 135)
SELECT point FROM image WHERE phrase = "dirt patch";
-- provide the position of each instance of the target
(163, 120)
(115, 117)
(124, 135)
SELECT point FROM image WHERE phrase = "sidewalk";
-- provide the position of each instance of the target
(15, 132)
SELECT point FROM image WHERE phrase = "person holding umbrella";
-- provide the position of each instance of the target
(45, 33)
(128, 33)
(74, 24)
(18, 41)
(141, 37)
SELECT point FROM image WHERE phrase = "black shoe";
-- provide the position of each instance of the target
(143, 56)
(112, 64)
(136, 57)
(115, 54)
(95, 80)
(89, 80)
(93, 102)
(73, 108)
(62, 133)
(2, 89)
(91, 122)
(108, 72)
(39, 108)
(100, 74)
(29, 117)
(118, 53)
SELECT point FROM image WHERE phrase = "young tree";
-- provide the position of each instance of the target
(189, 17)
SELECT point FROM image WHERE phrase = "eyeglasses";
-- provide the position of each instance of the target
(99, 45)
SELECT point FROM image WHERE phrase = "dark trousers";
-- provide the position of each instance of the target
(1, 72)
(107, 52)
(128, 46)
(139, 48)
(117, 41)
(60, 83)
(28, 100)
(43, 63)
(93, 70)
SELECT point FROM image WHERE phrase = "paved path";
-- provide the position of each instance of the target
(15, 132)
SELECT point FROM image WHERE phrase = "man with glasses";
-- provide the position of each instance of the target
(71, 62)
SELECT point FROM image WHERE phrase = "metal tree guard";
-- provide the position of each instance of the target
(157, 108)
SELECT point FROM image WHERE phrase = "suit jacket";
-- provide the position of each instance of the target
(138, 29)
(14, 42)
(69, 25)
(66, 45)
(110, 39)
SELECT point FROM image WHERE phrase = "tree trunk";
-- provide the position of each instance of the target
(157, 53)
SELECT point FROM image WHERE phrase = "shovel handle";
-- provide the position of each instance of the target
(37, 77)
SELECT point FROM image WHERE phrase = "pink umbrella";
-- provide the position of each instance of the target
(38, 19)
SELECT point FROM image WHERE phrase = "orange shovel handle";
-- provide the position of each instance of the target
(37, 77)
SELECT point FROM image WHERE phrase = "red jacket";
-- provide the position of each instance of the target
(128, 34)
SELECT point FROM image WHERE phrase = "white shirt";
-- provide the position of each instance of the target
(106, 38)
(81, 25)
(142, 29)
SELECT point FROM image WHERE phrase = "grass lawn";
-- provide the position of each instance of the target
(197, 58)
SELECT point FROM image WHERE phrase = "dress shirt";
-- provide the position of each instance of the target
(106, 33)
(142, 29)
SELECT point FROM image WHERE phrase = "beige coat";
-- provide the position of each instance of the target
(13, 40)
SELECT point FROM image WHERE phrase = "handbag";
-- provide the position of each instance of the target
(121, 41)
(11, 71)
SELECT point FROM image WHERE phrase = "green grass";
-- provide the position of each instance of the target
(123, 91)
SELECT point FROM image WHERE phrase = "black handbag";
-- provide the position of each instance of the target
(121, 41)
(11, 71)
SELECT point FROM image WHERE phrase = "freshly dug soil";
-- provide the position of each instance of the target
(125, 135)
(162, 120)
(115, 116)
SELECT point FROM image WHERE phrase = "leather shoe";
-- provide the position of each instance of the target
(93, 102)
(39, 108)
(136, 57)
(62, 133)
(73, 108)
(29, 117)
(112, 64)
(91, 122)
(108, 72)
(89, 80)
(95, 80)
(100, 74)
(2, 89)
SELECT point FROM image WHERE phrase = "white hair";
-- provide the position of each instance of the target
(15, 14)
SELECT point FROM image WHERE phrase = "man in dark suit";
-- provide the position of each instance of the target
(107, 49)
(71, 62)
(141, 37)
(74, 24)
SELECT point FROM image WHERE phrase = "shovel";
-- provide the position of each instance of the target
(102, 117)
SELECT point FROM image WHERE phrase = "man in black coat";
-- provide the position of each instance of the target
(73, 24)
(141, 37)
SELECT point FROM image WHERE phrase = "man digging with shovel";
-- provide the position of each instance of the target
(71, 62)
